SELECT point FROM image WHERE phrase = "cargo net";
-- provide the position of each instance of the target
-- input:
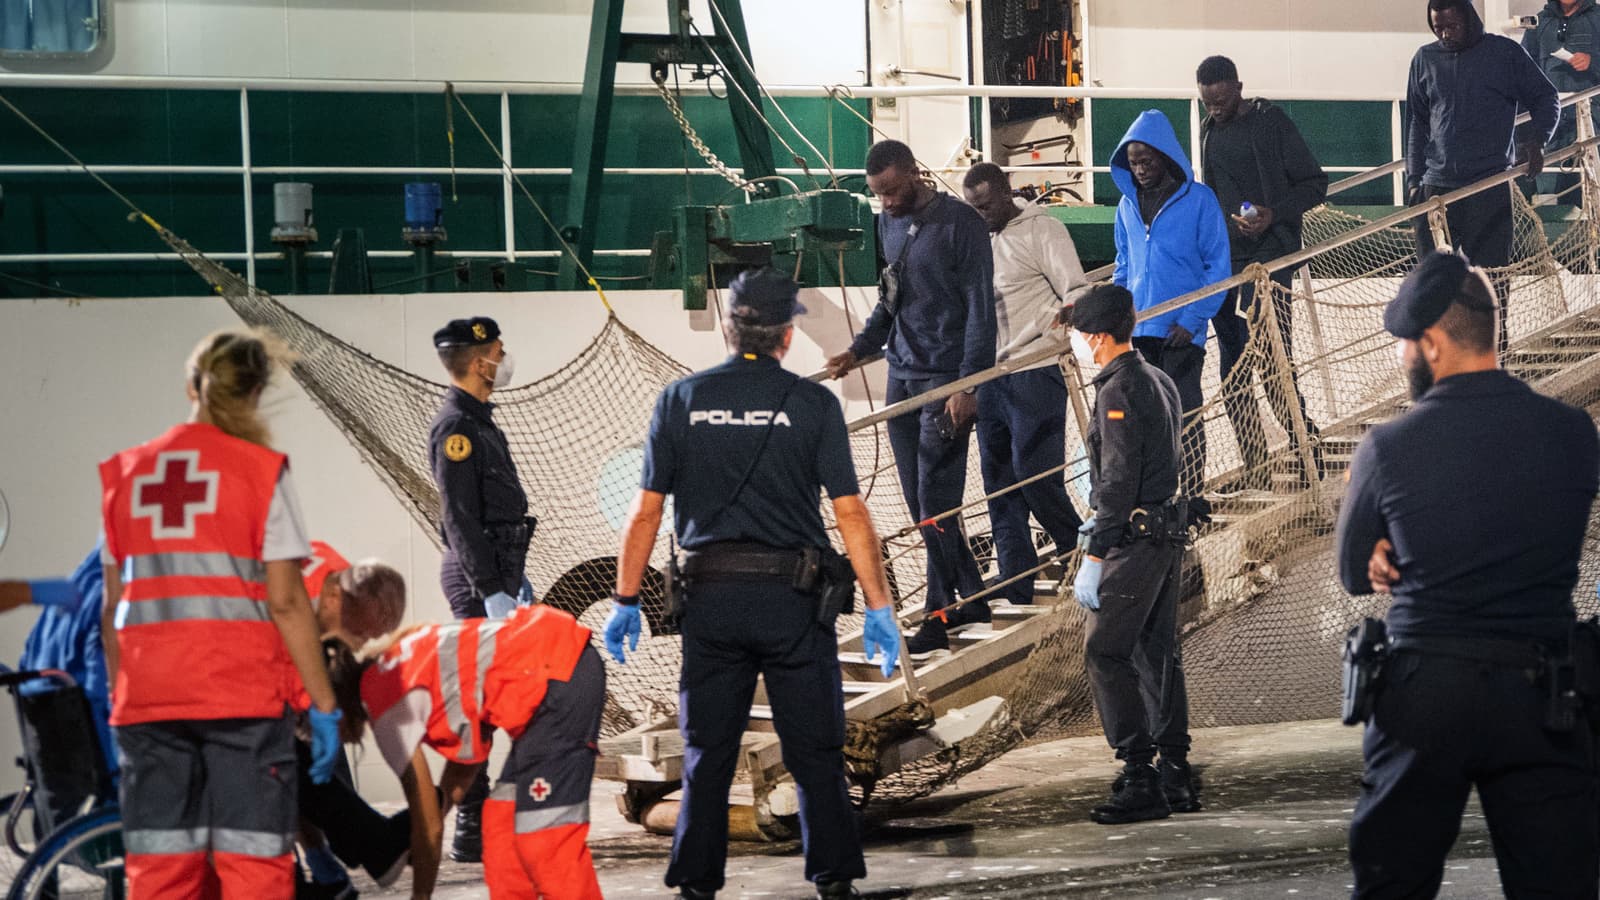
(1262, 616)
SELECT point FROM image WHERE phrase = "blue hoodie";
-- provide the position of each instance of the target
(69, 639)
(1184, 248)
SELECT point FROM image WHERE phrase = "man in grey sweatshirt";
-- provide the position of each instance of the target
(1022, 417)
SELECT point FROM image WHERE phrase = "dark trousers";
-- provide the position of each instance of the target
(206, 796)
(1480, 227)
(1441, 726)
(1182, 365)
(1233, 335)
(733, 632)
(1133, 655)
(358, 834)
(933, 477)
(1022, 431)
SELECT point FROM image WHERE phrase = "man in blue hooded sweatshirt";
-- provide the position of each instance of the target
(1171, 239)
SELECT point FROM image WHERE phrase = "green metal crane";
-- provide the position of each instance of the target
(767, 228)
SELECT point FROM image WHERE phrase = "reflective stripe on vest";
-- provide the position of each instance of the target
(451, 689)
(531, 820)
(180, 609)
(193, 565)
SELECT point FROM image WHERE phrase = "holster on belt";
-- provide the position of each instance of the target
(510, 542)
(1168, 522)
(1585, 656)
(819, 572)
(1366, 647)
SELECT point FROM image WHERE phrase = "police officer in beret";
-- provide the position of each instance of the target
(1129, 577)
(483, 509)
(1470, 510)
(745, 448)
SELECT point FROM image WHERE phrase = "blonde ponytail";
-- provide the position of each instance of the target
(228, 370)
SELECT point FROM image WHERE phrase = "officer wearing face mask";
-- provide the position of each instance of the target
(483, 509)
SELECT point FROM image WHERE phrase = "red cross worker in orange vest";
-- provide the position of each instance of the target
(209, 637)
(532, 674)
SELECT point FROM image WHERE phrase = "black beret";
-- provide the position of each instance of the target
(1102, 309)
(471, 332)
(764, 296)
(1440, 279)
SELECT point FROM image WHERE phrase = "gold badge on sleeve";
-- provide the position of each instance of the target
(457, 447)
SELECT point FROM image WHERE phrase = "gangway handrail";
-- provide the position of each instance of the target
(1057, 347)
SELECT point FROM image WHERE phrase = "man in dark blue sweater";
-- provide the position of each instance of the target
(1462, 100)
(935, 321)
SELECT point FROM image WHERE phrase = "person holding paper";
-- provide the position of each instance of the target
(1567, 33)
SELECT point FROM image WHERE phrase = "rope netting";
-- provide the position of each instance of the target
(1262, 616)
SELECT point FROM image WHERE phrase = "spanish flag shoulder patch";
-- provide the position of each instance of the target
(1116, 415)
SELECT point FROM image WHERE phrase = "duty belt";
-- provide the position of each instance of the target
(741, 561)
(1507, 653)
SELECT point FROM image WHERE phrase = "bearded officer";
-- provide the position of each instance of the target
(483, 510)
(745, 448)
(1470, 509)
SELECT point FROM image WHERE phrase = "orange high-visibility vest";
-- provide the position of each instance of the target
(185, 520)
(477, 672)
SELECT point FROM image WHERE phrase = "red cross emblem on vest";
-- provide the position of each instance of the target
(539, 790)
(175, 494)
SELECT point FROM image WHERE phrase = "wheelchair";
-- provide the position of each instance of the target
(73, 849)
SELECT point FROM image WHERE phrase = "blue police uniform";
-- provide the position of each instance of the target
(745, 448)
(1483, 600)
(483, 508)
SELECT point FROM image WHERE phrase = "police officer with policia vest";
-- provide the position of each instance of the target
(745, 448)
(1129, 578)
(483, 510)
(1471, 509)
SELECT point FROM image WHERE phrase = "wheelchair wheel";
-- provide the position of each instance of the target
(81, 860)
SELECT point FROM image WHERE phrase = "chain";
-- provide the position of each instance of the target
(699, 145)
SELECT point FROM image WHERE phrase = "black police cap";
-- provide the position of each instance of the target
(764, 296)
(466, 333)
(1440, 279)
(1102, 309)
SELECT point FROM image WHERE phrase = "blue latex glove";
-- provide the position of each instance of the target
(324, 743)
(1087, 584)
(624, 623)
(881, 632)
(499, 604)
(53, 592)
(525, 594)
(1085, 532)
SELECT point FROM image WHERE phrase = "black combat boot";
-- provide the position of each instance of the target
(836, 890)
(1135, 797)
(467, 847)
(1179, 785)
(688, 893)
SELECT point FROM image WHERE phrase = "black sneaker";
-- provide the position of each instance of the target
(1179, 785)
(931, 638)
(836, 890)
(688, 893)
(1135, 797)
(973, 612)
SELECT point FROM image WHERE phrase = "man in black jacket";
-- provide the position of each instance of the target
(1462, 100)
(1562, 45)
(1266, 179)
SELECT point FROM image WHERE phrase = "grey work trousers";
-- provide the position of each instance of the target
(1134, 659)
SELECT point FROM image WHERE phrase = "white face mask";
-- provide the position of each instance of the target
(503, 370)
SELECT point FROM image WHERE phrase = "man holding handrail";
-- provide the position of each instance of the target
(935, 322)
(1462, 100)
